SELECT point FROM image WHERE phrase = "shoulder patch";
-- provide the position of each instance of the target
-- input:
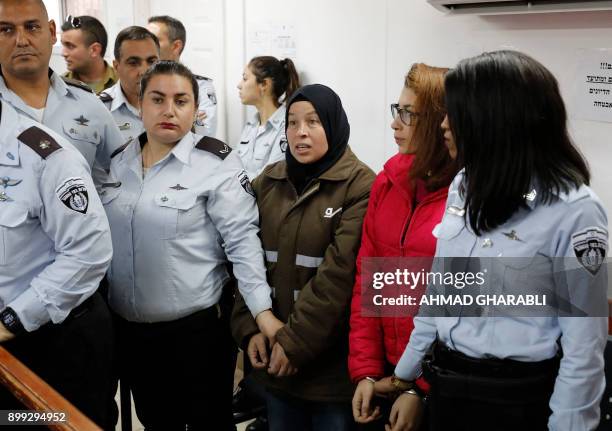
(201, 78)
(105, 97)
(120, 149)
(40, 141)
(78, 84)
(215, 146)
(590, 246)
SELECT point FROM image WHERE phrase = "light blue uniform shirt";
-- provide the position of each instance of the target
(126, 116)
(78, 116)
(545, 230)
(207, 103)
(55, 243)
(259, 148)
(172, 231)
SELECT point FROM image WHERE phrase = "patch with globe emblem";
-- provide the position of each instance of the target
(73, 193)
(590, 246)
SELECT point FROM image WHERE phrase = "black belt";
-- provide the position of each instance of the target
(505, 381)
(455, 361)
(212, 312)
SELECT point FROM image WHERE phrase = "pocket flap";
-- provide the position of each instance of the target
(81, 133)
(180, 200)
(12, 214)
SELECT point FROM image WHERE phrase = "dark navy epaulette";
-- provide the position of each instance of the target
(120, 149)
(201, 78)
(215, 146)
(78, 84)
(40, 141)
(105, 97)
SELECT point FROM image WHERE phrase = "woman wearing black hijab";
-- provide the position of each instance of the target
(311, 207)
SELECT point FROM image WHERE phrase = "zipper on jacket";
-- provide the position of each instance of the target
(409, 219)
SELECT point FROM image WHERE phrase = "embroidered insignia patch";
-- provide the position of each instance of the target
(73, 193)
(590, 246)
(246, 183)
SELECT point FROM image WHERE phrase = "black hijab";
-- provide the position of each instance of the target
(337, 130)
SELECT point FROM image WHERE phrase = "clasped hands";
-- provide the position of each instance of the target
(405, 413)
(265, 352)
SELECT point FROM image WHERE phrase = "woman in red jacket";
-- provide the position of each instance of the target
(406, 202)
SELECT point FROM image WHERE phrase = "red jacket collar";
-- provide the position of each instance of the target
(397, 168)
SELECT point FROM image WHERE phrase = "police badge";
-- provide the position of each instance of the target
(590, 247)
(73, 194)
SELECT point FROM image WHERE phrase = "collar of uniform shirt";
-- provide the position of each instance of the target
(59, 86)
(276, 120)
(182, 150)
(119, 99)
(8, 121)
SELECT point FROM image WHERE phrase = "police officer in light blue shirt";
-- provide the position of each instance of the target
(135, 50)
(172, 38)
(125, 115)
(523, 203)
(265, 82)
(55, 247)
(68, 107)
(181, 207)
(206, 121)
(73, 111)
(263, 144)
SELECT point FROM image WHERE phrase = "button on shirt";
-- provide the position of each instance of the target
(548, 231)
(259, 148)
(78, 116)
(172, 231)
(125, 115)
(207, 103)
(55, 243)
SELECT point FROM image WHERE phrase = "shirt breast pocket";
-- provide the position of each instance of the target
(12, 217)
(180, 214)
(109, 192)
(81, 133)
(261, 150)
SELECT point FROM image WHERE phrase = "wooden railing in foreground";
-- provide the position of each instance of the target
(36, 394)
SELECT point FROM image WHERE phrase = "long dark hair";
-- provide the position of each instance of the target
(282, 73)
(510, 127)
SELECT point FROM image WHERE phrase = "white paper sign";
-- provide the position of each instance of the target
(277, 40)
(593, 90)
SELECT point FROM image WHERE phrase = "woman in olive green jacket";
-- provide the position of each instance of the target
(311, 206)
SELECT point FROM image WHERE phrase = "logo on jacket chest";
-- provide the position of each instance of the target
(330, 212)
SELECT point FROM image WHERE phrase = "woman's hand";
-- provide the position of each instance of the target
(280, 366)
(362, 403)
(268, 324)
(384, 387)
(406, 413)
(258, 351)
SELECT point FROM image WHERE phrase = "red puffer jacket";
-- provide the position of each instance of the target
(392, 227)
